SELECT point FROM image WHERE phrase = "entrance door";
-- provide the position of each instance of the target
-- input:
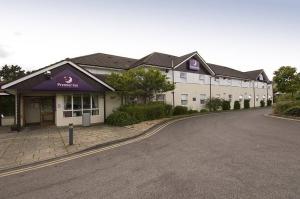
(47, 110)
(39, 110)
(32, 110)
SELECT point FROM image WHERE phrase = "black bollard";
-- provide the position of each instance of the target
(71, 134)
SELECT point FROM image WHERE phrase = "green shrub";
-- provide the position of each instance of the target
(246, 104)
(293, 111)
(118, 118)
(262, 103)
(203, 110)
(269, 102)
(214, 104)
(281, 106)
(168, 109)
(236, 105)
(192, 111)
(225, 105)
(180, 110)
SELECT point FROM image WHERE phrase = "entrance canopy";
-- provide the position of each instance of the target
(63, 76)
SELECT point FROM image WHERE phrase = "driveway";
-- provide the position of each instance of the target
(240, 154)
(35, 144)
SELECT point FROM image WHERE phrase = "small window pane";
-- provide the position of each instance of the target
(95, 112)
(183, 75)
(86, 111)
(77, 102)
(94, 101)
(67, 113)
(86, 101)
(67, 102)
(77, 113)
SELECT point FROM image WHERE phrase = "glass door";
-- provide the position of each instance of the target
(47, 110)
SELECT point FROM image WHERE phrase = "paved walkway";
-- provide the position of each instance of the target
(36, 143)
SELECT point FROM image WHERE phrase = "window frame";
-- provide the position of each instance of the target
(187, 99)
(82, 110)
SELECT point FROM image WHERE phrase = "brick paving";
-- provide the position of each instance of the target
(41, 143)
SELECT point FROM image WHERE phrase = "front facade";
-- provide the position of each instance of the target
(66, 91)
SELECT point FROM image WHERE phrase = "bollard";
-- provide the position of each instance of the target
(71, 134)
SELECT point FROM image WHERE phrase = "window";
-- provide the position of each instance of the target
(230, 97)
(201, 78)
(183, 75)
(76, 105)
(160, 97)
(194, 99)
(184, 99)
(229, 81)
(202, 98)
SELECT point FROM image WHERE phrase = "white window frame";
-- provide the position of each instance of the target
(183, 75)
(184, 100)
(91, 109)
(203, 99)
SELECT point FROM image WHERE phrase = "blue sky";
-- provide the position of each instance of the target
(244, 35)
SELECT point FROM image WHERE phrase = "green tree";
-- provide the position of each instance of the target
(287, 79)
(140, 82)
(11, 72)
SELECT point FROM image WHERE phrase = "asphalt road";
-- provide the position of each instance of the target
(230, 155)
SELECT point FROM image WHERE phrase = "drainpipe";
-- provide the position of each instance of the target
(254, 93)
(210, 92)
(104, 104)
(173, 92)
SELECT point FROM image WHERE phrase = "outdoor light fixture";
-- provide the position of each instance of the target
(264, 97)
(48, 74)
(249, 96)
(240, 97)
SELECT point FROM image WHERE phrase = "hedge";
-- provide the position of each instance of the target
(246, 104)
(236, 105)
(180, 110)
(281, 106)
(119, 118)
(269, 102)
(293, 111)
(214, 104)
(225, 105)
(150, 111)
(262, 103)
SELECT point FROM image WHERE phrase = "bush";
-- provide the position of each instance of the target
(150, 111)
(281, 106)
(192, 111)
(214, 104)
(269, 102)
(203, 110)
(225, 105)
(262, 103)
(293, 111)
(118, 118)
(246, 104)
(236, 105)
(180, 110)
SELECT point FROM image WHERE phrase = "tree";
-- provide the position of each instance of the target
(287, 79)
(11, 72)
(140, 83)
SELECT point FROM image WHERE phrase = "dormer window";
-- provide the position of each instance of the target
(183, 75)
(260, 77)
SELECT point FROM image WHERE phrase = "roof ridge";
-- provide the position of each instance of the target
(101, 54)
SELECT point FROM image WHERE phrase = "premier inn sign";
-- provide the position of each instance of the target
(65, 80)
(194, 64)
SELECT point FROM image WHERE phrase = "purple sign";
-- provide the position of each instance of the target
(194, 64)
(65, 80)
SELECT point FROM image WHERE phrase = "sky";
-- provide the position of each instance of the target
(241, 34)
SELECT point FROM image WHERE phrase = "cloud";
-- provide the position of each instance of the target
(3, 52)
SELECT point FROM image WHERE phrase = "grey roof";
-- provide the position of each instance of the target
(161, 59)
(104, 60)
(226, 71)
(253, 74)
(157, 59)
